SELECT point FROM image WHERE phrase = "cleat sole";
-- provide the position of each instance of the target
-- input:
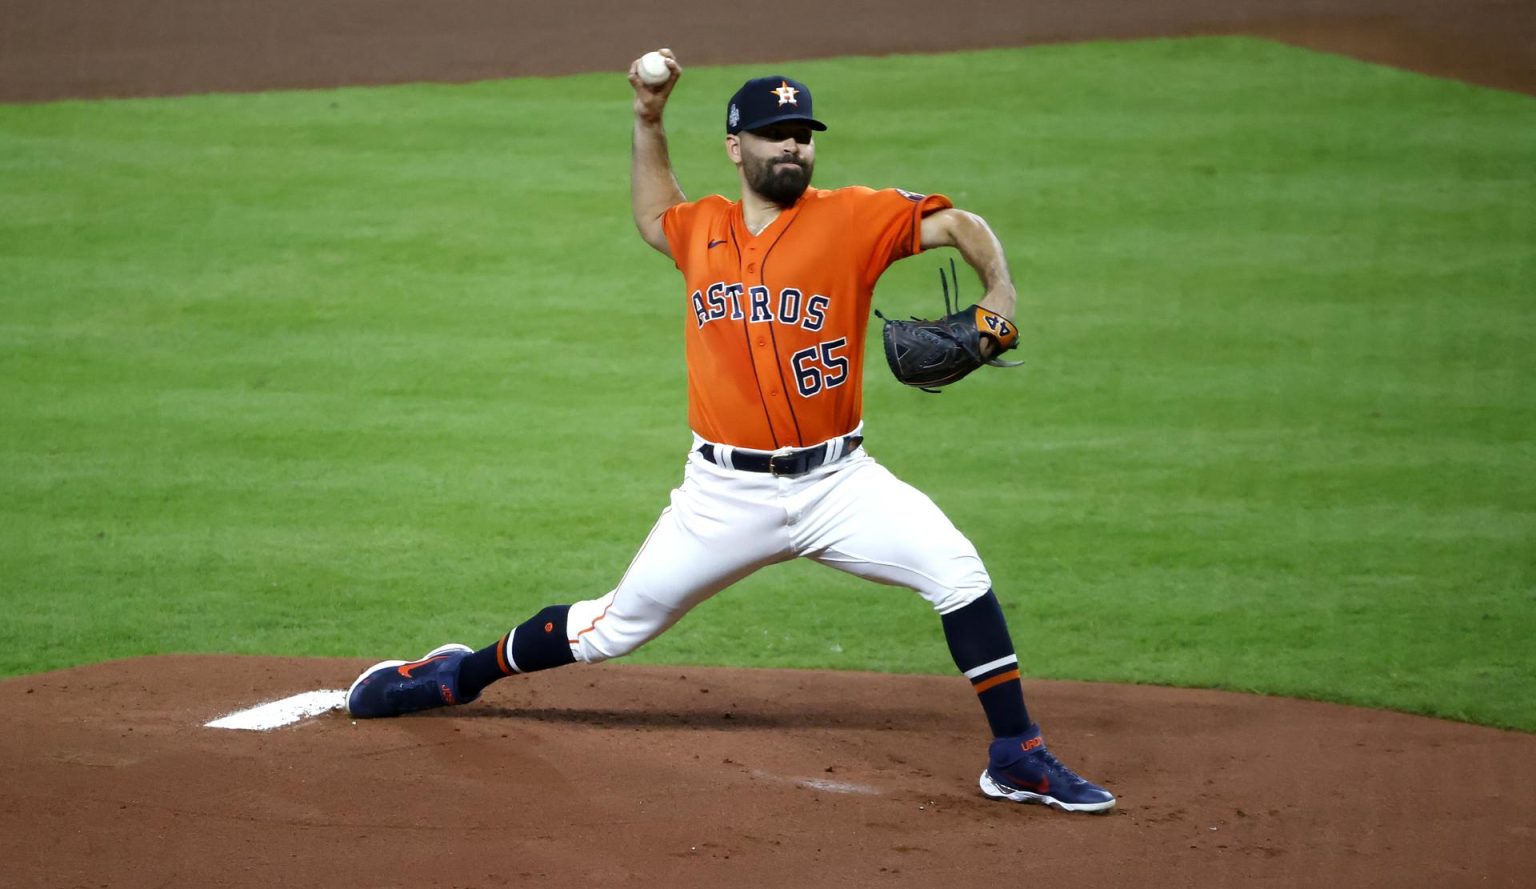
(994, 790)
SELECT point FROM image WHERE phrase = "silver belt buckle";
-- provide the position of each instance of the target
(773, 461)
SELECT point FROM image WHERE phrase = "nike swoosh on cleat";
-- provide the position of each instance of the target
(1041, 786)
(406, 669)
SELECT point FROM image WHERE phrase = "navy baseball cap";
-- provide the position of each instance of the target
(765, 101)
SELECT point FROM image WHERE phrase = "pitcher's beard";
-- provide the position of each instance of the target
(783, 187)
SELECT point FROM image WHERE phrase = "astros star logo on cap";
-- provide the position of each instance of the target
(786, 94)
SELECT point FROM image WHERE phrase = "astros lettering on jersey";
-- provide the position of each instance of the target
(776, 322)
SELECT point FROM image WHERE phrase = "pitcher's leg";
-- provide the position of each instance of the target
(674, 570)
(719, 528)
(871, 524)
(715, 532)
(682, 563)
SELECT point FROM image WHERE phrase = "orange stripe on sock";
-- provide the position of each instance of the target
(501, 655)
(995, 681)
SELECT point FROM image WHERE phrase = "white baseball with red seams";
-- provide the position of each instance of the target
(653, 69)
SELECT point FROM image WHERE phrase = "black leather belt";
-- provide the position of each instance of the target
(797, 462)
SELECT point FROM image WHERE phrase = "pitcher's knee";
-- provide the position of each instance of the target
(960, 590)
(593, 646)
(599, 631)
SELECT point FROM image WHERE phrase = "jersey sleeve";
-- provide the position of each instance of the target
(895, 217)
(681, 221)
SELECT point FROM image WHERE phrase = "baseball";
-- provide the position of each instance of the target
(653, 69)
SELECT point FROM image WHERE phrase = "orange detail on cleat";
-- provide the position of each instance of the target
(406, 669)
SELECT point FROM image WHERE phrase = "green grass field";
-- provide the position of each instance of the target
(355, 372)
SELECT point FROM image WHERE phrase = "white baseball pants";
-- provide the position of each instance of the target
(724, 524)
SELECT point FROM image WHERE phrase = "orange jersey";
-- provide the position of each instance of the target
(775, 323)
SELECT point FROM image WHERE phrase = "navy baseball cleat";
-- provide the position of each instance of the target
(390, 688)
(1022, 770)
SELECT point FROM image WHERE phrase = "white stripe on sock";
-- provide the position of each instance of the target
(989, 667)
(511, 663)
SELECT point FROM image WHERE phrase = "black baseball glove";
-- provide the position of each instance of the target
(930, 354)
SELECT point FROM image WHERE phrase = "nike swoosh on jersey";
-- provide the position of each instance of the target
(714, 244)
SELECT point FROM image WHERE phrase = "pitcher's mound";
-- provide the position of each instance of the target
(689, 777)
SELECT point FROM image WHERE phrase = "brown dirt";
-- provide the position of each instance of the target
(692, 777)
(679, 778)
(51, 49)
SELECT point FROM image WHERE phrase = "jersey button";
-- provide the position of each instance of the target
(751, 266)
(774, 393)
(762, 341)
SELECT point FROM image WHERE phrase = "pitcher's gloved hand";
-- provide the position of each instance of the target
(931, 354)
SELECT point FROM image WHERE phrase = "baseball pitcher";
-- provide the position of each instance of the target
(777, 291)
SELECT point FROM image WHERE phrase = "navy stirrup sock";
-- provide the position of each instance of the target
(537, 643)
(979, 642)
